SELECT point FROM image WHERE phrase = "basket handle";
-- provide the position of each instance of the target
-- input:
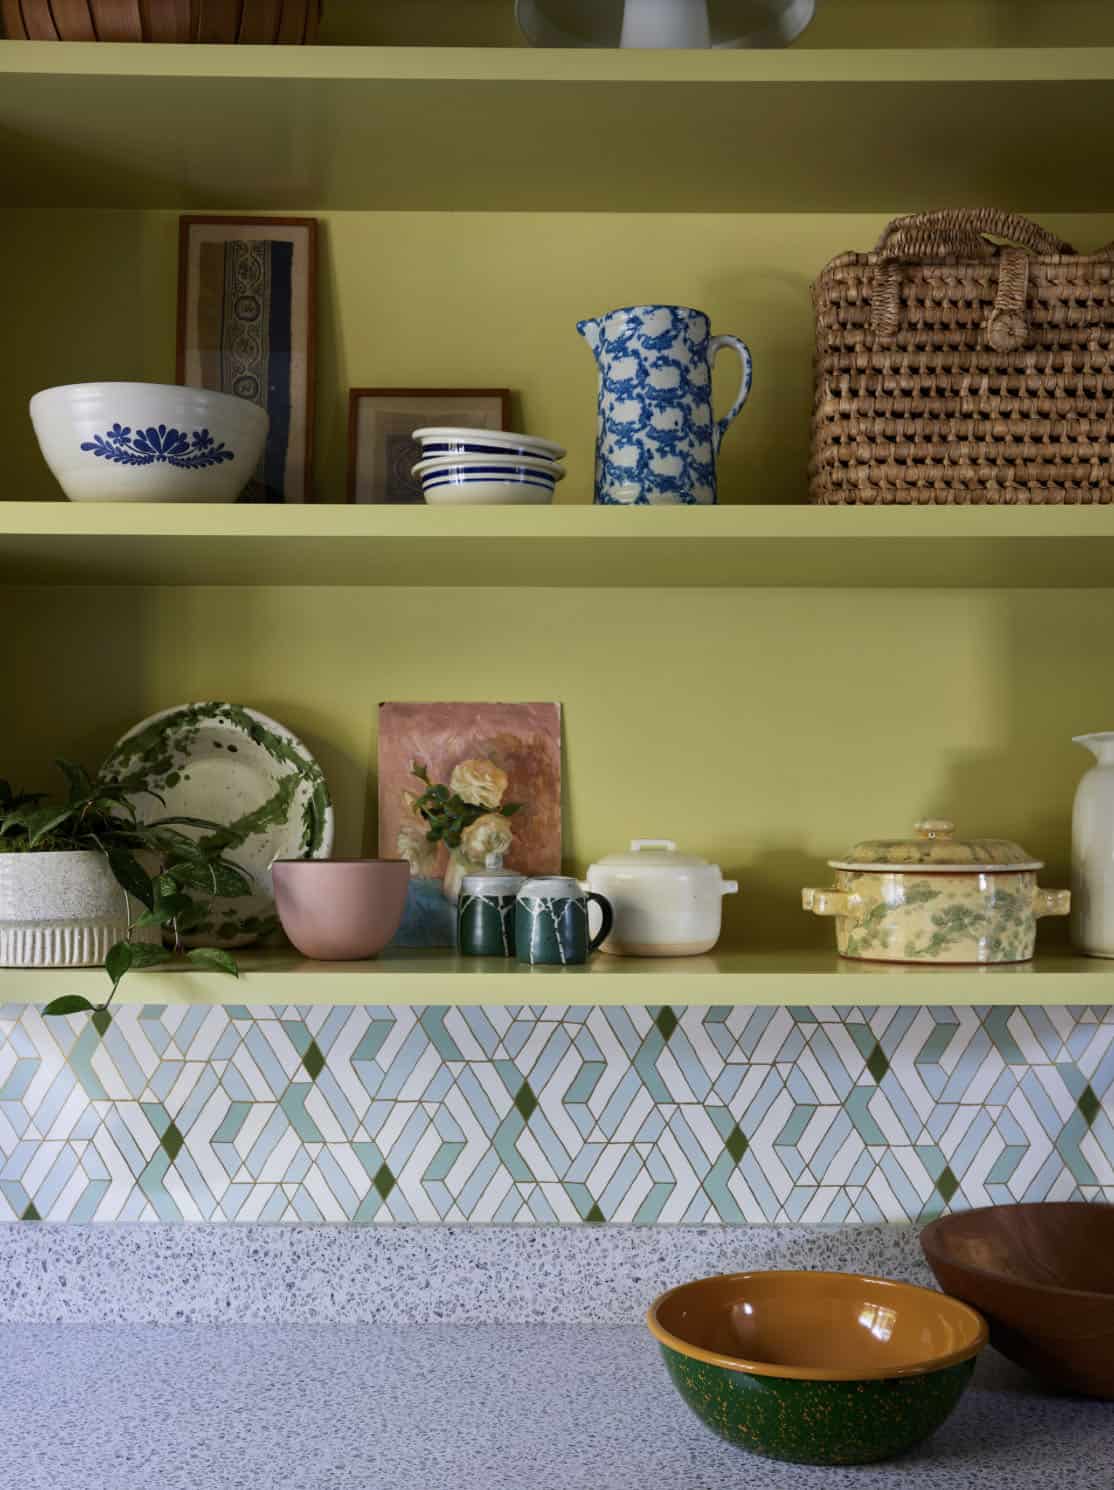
(926, 235)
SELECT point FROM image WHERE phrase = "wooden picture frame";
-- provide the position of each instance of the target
(247, 325)
(379, 475)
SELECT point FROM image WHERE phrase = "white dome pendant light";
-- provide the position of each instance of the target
(663, 23)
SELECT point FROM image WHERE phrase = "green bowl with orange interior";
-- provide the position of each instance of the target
(817, 1368)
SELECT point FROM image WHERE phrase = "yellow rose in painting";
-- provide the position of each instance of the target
(479, 782)
(490, 834)
(410, 801)
(419, 853)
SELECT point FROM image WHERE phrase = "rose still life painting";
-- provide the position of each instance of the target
(461, 782)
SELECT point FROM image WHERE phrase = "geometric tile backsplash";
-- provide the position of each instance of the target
(645, 1115)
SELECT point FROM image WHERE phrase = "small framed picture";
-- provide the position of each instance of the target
(381, 425)
(247, 297)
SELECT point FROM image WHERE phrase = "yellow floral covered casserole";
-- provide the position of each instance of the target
(937, 898)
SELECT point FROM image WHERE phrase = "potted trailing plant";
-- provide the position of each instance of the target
(83, 881)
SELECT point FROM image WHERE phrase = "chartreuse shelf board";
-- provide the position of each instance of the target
(724, 977)
(451, 128)
(569, 545)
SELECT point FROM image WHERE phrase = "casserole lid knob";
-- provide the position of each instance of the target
(934, 827)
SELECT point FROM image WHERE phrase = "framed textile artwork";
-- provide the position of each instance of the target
(246, 326)
(381, 425)
(496, 769)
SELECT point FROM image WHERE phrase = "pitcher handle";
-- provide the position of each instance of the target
(715, 346)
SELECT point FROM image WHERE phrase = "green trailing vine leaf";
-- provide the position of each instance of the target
(43, 820)
(70, 1003)
(131, 875)
(214, 960)
(118, 962)
(212, 876)
(146, 955)
(80, 782)
(167, 908)
(197, 915)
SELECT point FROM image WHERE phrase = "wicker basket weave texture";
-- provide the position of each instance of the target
(952, 369)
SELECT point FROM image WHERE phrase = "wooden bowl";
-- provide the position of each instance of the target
(117, 20)
(166, 20)
(817, 1368)
(1044, 1277)
(218, 21)
(257, 22)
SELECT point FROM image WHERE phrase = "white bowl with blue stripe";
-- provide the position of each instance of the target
(445, 440)
(484, 480)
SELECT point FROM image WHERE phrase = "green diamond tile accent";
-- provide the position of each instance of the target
(947, 1184)
(1089, 1105)
(667, 1022)
(172, 1142)
(313, 1060)
(876, 1063)
(736, 1144)
(525, 1101)
(398, 1114)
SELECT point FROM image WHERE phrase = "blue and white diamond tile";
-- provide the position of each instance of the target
(643, 1115)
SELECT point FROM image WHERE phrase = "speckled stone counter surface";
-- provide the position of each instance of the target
(453, 1407)
(231, 1274)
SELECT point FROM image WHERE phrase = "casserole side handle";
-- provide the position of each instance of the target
(1051, 902)
(827, 902)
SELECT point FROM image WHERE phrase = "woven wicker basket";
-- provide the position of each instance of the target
(260, 21)
(950, 368)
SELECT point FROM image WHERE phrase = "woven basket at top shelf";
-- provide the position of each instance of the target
(952, 369)
(264, 22)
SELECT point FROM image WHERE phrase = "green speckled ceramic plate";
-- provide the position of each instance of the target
(236, 767)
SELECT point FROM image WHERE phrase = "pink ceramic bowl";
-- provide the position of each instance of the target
(340, 910)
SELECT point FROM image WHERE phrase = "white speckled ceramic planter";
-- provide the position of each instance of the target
(62, 909)
(936, 898)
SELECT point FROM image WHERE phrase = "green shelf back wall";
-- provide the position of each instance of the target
(444, 300)
(765, 730)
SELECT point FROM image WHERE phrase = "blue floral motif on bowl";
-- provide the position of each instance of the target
(159, 445)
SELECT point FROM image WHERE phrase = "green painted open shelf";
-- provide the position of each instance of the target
(510, 129)
(725, 977)
(566, 546)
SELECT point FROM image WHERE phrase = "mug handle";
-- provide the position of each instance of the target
(715, 346)
(607, 922)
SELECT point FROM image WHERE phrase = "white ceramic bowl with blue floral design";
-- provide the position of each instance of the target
(485, 480)
(148, 442)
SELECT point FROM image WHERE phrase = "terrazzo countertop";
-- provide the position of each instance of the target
(453, 1407)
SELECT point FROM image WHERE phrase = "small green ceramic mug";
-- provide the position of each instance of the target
(486, 913)
(551, 922)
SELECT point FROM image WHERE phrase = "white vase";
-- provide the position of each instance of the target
(1092, 851)
(62, 909)
(666, 23)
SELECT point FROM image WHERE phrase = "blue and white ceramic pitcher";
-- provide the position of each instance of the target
(658, 439)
